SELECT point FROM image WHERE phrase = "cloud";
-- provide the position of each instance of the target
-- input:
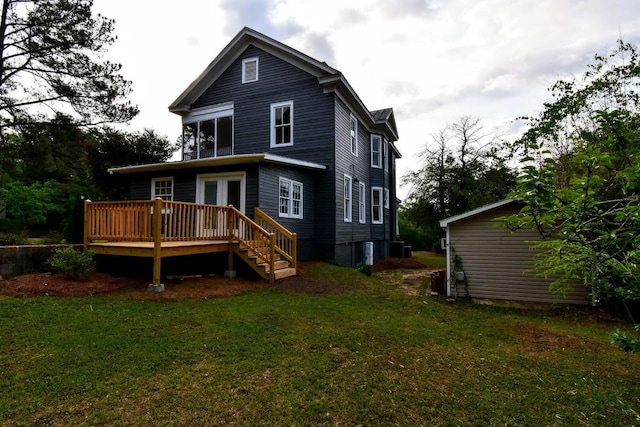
(398, 88)
(404, 8)
(257, 15)
(316, 46)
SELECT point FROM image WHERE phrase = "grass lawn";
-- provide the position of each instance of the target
(372, 356)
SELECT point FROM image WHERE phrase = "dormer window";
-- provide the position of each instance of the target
(250, 70)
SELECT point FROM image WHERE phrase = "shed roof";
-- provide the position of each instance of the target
(482, 209)
(220, 161)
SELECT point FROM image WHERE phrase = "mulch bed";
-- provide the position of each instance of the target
(181, 287)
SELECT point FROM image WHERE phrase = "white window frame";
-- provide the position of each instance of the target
(205, 114)
(291, 184)
(386, 198)
(222, 179)
(348, 198)
(362, 203)
(153, 188)
(377, 207)
(244, 69)
(385, 157)
(273, 123)
(378, 150)
(353, 134)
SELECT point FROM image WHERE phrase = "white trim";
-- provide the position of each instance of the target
(362, 202)
(236, 159)
(386, 198)
(449, 271)
(481, 209)
(291, 183)
(353, 134)
(385, 155)
(347, 208)
(379, 164)
(153, 187)
(225, 177)
(377, 190)
(244, 69)
(272, 124)
(204, 113)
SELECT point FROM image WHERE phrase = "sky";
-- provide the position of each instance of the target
(432, 61)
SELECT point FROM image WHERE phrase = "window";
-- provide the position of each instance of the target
(386, 198)
(348, 187)
(208, 133)
(290, 199)
(376, 205)
(282, 124)
(249, 70)
(162, 187)
(354, 135)
(376, 151)
(362, 206)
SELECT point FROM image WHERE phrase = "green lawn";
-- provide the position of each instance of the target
(372, 356)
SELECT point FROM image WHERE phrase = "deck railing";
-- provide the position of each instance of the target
(167, 221)
(286, 242)
(134, 221)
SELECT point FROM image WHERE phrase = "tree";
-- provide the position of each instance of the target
(464, 167)
(113, 148)
(50, 64)
(581, 180)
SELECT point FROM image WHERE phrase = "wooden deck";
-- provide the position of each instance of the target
(168, 249)
(132, 229)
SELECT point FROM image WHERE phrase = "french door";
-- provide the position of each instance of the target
(220, 190)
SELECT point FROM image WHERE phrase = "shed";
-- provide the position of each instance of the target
(497, 262)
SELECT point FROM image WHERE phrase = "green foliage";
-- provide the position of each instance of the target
(366, 269)
(581, 179)
(414, 235)
(31, 203)
(73, 263)
(625, 342)
(51, 61)
(464, 167)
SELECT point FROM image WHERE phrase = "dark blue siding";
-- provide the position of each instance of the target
(269, 177)
(278, 81)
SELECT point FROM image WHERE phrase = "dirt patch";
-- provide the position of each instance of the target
(397, 263)
(178, 287)
(543, 341)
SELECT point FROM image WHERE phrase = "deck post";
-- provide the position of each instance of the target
(156, 286)
(294, 250)
(230, 272)
(87, 223)
(272, 258)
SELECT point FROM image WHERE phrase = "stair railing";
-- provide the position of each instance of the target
(286, 242)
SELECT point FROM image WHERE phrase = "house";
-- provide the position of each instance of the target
(266, 126)
(495, 262)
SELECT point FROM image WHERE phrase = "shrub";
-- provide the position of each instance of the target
(73, 263)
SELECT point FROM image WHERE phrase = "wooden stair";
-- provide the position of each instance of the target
(249, 254)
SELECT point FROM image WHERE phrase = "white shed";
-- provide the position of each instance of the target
(497, 262)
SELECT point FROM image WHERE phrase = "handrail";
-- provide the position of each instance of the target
(160, 221)
(286, 242)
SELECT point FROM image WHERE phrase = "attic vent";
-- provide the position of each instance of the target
(249, 70)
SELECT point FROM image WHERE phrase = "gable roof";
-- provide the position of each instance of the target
(331, 79)
(482, 209)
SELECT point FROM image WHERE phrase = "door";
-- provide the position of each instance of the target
(219, 190)
(222, 190)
